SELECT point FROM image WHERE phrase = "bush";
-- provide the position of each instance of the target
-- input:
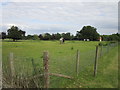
(103, 43)
(112, 42)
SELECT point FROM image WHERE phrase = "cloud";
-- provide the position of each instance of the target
(61, 17)
(62, 1)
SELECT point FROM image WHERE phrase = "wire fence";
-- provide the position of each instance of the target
(67, 64)
(25, 71)
(29, 72)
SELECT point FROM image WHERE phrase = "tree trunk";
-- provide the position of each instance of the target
(13, 40)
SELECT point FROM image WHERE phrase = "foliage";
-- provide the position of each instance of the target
(3, 35)
(46, 36)
(66, 36)
(29, 37)
(113, 37)
(15, 33)
(35, 37)
(57, 36)
(88, 32)
(103, 43)
(32, 37)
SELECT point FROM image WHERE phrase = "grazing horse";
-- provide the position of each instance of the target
(62, 40)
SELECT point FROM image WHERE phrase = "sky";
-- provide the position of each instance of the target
(58, 17)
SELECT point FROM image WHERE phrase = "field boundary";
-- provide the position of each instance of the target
(15, 81)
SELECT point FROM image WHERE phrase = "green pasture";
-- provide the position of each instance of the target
(63, 61)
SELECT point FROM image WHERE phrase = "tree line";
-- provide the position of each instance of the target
(87, 32)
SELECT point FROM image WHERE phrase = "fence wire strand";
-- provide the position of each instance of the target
(66, 65)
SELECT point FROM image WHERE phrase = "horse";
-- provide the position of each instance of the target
(62, 40)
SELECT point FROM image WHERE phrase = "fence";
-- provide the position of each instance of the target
(22, 74)
(46, 72)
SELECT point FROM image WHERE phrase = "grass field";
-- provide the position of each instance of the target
(63, 61)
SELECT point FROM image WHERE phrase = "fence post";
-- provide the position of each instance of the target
(101, 50)
(108, 48)
(46, 69)
(77, 63)
(12, 69)
(96, 59)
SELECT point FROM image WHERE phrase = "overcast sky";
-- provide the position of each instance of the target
(53, 17)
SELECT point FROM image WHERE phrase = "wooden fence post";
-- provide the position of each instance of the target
(108, 48)
(46, 69)
(1, 69)
(12, 69)
(101, 51)
(77, 63)
(96, 60)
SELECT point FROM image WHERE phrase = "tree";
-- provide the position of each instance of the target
(57, 36)
(113, 37)
(53, 37)
(105, 37)
(35, 37)
(46, 36)
(88, 32)
(67, 36)
(15, 33)
(22, 33)
(3, 35)
(29, 37)
(41, 37)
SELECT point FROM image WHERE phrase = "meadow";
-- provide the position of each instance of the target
(63, 61)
